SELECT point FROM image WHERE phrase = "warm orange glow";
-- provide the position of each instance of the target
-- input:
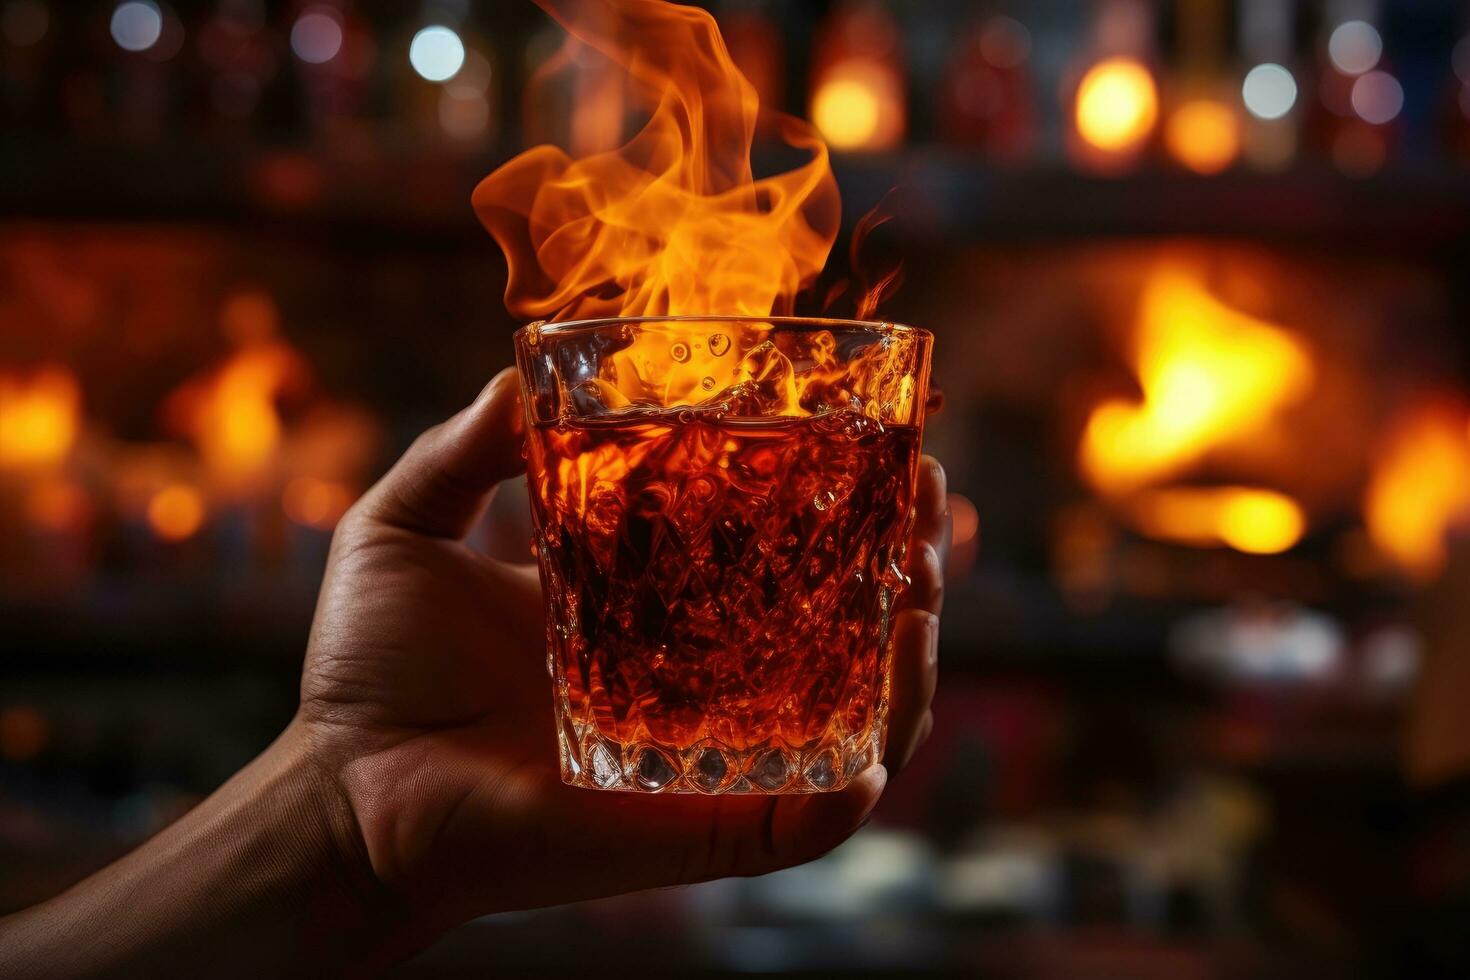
(315, 503)
(231, 413)
(1117, 105)
(176, 512)
(858, 105)
(57, 505)
(673, 222)
(1244, 518)
(1204, 135)
(1210, 375)
(39, 418)
(24, 732)
(1420, 487)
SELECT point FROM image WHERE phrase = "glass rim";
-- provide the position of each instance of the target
(881, 327)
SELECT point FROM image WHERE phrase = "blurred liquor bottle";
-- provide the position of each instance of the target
(237, 58)
(1112, 91)
(987, 97)
(144, 85)
(1270, 85)
(1359, 99)
(858, 91)
(1202, 129)
(335, 56)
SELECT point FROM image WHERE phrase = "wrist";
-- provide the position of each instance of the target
(265, 877)
(353, 919)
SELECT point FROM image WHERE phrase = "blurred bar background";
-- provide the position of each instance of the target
(1197, 272)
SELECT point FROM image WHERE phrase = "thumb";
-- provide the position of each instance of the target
(440, 484)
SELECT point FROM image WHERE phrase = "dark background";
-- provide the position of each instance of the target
(1152, 756)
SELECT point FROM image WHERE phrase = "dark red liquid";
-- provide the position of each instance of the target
(718, 578)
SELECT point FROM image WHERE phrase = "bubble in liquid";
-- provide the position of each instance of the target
(718, 344)
(679, 352)
(707, 383)
(824, 499)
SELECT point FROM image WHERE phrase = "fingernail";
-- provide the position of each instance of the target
(880, 776)
(931, 627)
(938, 471)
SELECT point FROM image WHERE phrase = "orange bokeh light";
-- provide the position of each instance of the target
(858, 105)
(1117, 105)
(57, 505)
(1420, 486)
(40, 417)
(1204, 135)
(176, 512)
(24, 732)
(314, 502)
(1247, 519)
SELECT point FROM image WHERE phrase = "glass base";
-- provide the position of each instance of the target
(593, 761)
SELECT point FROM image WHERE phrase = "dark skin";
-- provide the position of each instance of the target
(418, 785)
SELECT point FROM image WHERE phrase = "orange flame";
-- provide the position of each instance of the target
(1247, 519)
(1210, 375)
(1420, 486)
(674, 222)
(231, 413)
(40, 417)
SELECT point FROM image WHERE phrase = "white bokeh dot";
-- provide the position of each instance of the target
(436, 53)
(137, 25)
(1269, 91)
(316, 37)
(1355, 47)
(1377, 97)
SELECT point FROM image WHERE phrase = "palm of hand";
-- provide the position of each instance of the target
(425, 695)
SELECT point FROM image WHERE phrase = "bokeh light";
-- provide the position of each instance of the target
(1355, 47)
(1117, 104)
(315, 503)
(24, 732)
(1269, 91)
(39, 418)
(316, 37)
(846, 111)
(1248, 519)
(176, 512)
(1420, 486)
(58, 505)
(436, 53)
(858, 105)
(137, 25)
(1377, 97)
(1261, 522)
(1204, 135)
(1461, 60)
(24, 22)
(1005, 43)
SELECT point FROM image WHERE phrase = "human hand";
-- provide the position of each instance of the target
(425, 698)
